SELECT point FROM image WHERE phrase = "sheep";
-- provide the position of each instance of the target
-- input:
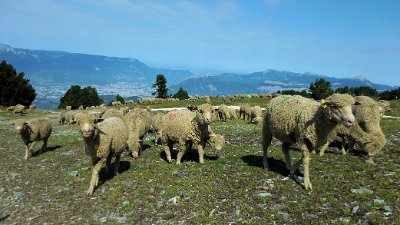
(384, 106)
(113, 113)
(61, 118)
(256, 114)
(32, 131)
(138, 122)
(10, 108)
(233, 114)
(206, 110)
(156, 124)
(80, 117)
(366, 133)
(185, 128)
(244, 111)
(103, 141)
(68, 107)
(223, 112)
(124, 109)
(19, 109)
(32, 107)
(295, 119)
(69, 116)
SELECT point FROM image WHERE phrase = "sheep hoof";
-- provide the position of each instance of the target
(90, 191)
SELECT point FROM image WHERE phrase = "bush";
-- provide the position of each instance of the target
(181, 94)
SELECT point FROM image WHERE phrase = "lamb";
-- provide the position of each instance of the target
(366, 133)
(32, 131)
(138, 122)
(185, 128)
(103, 141)
(256, 114)
(295, 119)
(61, 118)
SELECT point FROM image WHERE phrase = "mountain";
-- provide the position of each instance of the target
(268, 81)
(53, 72)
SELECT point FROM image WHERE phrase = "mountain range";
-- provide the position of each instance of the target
(53, 72)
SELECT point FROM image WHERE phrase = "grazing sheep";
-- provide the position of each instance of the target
(156, 124)
(19, 109)
(244, 111)
(70, 116)
(223, 112)
(366, 133)
(61, 118)
(384, 106)
(295, 119)
(256, 114)
(103, 141)
(185, 128)
(32, 107)
(32, 131)
(138, 122)
(113, 113)
(233, 114)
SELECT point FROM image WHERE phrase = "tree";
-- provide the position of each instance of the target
(293, 92)
(14, 88)
(343, 90)
(75, 97)
(120, 98)
(181, 94)
(161, 87)
(320, 89)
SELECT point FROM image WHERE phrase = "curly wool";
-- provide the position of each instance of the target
(223, 112)
(138, 122)
(256, 114)
(244, 111)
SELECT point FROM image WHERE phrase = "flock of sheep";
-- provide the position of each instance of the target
(309, 124)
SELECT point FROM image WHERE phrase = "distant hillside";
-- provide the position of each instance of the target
(268, 81)
(53, 72)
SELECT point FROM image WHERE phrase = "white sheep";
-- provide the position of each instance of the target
(103, 141)
(138, 122)
(32, 131)
(295, 119)
(185, 128)
(256, 114)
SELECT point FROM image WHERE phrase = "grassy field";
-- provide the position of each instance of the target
(230, 188)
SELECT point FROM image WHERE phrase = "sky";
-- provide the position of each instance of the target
(339, 38)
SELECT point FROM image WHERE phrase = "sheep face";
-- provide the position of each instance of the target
(206, 115)
(88, 129)
(216, 141)
(19, 126)
(343, 115)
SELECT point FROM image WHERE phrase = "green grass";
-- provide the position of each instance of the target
(231, 187)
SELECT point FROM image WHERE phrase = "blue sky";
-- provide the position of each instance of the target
(336, 38)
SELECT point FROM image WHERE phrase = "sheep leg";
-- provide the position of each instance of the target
(323, 148)
(182, 149)
(288, 159)
(167, 149)
(267, 138)
(95, 176)
(343, 148)
(108, 165)
(200, 150)
(117, 162)
(44, 147)
(306, 164)
(27, 153)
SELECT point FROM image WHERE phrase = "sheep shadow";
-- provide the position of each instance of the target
(275, 166)
(335, 146)
(123, 167)
(190, 155)
(48, 149)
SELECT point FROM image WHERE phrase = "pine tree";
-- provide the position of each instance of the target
(181, 94)
(14, 88)
(120, 99)
(320, 89)
(161, 87)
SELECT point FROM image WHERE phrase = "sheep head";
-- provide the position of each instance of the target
(216, 141)
(205, 110)
(20, 125)
(340, 109)
(89, 128)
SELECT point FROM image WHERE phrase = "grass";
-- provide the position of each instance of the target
(231, 187)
